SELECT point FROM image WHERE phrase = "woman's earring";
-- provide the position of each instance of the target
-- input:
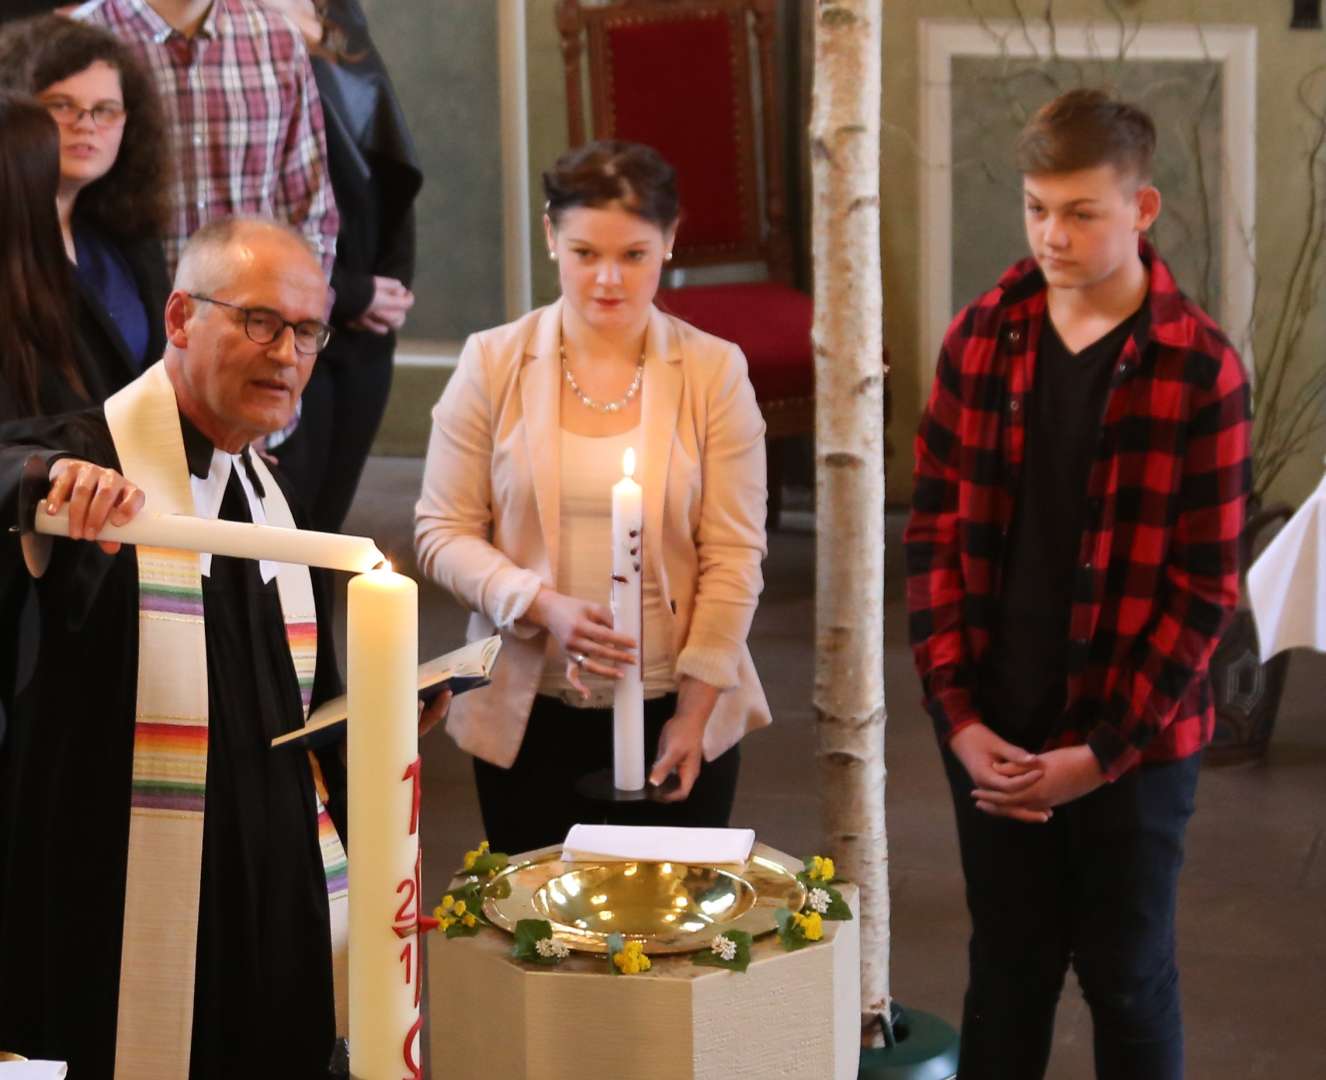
(552, 256)
(667, 256)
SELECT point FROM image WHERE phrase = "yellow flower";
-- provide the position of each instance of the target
(471, 857)
(821, 869)
(446, 922)
(812, 925)
(460, 907)
(631, 959)
(448, 902)
(469, 920)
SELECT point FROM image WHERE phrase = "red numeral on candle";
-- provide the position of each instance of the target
(405, 917)
(412, 774)
(415, 1067)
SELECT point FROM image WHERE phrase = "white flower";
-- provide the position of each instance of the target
(549, 947)
(818, 900)
(724, 947)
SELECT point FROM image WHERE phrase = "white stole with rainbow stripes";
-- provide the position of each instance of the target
(155, 1021)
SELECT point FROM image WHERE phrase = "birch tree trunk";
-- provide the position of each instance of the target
(849, 437)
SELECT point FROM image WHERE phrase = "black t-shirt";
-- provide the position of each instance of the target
(1025, 683)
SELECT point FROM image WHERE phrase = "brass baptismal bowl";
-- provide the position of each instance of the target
(671, 907)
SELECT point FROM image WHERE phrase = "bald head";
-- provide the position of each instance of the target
(230, 248)
(250, 296)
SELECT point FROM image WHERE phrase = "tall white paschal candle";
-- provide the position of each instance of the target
(383, 765)
(628, 703)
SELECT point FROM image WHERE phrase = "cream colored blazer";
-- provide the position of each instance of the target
(487, 520)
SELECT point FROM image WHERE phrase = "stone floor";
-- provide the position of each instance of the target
(1251, 940)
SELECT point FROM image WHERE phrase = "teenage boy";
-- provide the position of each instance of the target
(1072, 556)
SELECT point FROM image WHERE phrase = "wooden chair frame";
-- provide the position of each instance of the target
(587, 29)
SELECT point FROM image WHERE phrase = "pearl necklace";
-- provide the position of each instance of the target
(603, 406)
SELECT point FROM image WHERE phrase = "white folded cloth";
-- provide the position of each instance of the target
(657, 843)
(33, 1070)
(1287, 583)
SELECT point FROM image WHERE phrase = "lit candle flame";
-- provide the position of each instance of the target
(628, 462)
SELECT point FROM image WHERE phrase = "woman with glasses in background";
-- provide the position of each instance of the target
(111, 197)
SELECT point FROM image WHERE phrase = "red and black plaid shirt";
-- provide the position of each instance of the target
(1157, 573)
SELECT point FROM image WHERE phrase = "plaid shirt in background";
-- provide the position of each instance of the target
(243, 114)
(1157, 573)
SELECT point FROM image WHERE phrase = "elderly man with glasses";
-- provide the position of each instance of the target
(140, 936)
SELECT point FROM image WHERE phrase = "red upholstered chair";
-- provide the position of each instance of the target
(677, 74)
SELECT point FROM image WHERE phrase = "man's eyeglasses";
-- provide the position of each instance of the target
(105, 114)
(263, 326)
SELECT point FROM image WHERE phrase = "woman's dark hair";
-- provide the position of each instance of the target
(611, 171)
(36, 283)
(131, 199)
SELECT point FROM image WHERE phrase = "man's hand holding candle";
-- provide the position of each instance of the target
(95, 495)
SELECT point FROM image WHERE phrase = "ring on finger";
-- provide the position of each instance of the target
(578, 658)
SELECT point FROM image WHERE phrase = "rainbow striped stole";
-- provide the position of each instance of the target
(168, 791)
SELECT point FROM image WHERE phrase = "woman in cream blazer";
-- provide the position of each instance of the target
(489, 518)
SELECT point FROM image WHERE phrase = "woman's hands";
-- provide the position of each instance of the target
(681, 742)
(583, 630)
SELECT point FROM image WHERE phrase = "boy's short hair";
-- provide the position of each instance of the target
(1083, 129)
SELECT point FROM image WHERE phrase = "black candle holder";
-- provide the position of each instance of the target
(598, 788)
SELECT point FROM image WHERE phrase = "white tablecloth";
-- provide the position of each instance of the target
(657, 843)
(1287, 583)
(33, 1070)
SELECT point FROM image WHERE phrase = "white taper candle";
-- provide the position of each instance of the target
(239, 539)
(628, 704)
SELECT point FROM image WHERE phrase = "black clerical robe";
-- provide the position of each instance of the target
(263, 990)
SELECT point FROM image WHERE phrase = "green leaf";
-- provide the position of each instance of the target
(616, 943)
(837, 911)
(739, 963)
(459, 929)
(471, 894)
(497, 888)
(489, 864)
(789, 934)
(529, 932)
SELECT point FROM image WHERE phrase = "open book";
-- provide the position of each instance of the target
(459, 670)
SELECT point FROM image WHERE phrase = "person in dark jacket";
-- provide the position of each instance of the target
(111, 196)
(375, 177)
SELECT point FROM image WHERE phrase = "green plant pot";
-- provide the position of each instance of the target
(926, 1048)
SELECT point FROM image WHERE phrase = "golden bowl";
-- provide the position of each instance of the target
(671, 907)
(6, 1055)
